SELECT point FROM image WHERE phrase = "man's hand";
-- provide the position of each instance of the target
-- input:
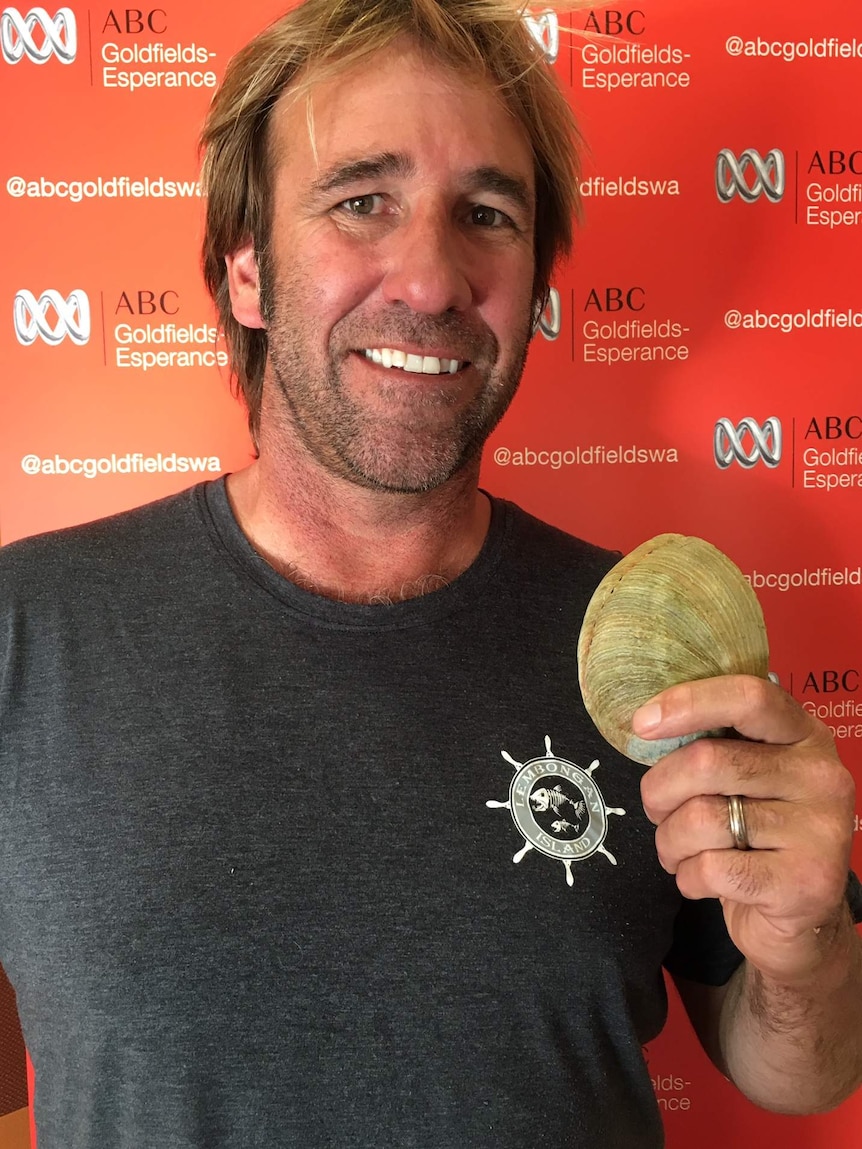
(784, 897)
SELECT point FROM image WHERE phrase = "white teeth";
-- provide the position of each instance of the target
(419, 364)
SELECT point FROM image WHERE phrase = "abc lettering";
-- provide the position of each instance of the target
(831, 681)
(147, 302)
(614, 23)
(834, 427)
(133, 20)
(837, 163)
(616, 299)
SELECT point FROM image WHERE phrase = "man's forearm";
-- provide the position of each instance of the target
(797, 1048)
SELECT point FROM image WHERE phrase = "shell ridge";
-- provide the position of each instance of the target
(674, 609)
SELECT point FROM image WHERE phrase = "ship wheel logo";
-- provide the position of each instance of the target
(558, 809)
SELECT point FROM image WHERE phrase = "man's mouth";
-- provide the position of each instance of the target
(418, 364)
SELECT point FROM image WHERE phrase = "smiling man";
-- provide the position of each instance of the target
(256, 887)
(397, 319)
(389, 253)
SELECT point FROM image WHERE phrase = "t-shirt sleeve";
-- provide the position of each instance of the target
(854, 897)
(702, 951)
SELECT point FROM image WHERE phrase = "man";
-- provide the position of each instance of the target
(253, 893)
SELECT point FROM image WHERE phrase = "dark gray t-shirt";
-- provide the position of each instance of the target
(259, 882)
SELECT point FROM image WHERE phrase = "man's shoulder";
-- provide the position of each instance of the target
(552, 547)
(123, 540)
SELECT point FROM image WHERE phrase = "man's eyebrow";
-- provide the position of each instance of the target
(491, 179)
(348, 173)
(351, 172)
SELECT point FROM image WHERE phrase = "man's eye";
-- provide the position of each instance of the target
(361, 204)
(484, 216)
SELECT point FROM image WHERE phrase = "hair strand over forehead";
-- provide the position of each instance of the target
(318, 39)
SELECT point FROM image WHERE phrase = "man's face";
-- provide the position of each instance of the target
(400, 272)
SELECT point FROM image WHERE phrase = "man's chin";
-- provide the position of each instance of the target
(409, 476)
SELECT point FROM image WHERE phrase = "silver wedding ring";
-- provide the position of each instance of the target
(736, 818)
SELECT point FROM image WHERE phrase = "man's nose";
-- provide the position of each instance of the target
(427, 266)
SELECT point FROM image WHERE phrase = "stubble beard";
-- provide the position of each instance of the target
(404, 446)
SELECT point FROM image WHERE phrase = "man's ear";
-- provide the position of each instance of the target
(243, 280)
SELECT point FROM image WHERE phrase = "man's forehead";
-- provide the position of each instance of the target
(403, 54)
(329, 107)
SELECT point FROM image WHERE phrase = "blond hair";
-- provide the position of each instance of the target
(318, 39)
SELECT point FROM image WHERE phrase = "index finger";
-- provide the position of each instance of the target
(754, 707)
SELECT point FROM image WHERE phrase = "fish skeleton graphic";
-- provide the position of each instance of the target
(545, 799)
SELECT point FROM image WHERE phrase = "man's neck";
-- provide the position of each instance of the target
(352, 544)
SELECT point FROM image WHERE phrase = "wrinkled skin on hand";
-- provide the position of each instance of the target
(780, 896)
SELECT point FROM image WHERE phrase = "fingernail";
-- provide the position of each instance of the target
(646, 718)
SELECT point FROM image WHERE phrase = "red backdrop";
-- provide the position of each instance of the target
(696, 371)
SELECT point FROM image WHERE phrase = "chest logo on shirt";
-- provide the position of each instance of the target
(558, 809)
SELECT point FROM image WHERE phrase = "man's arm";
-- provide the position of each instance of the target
(793, 1049)
(787, 1027)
